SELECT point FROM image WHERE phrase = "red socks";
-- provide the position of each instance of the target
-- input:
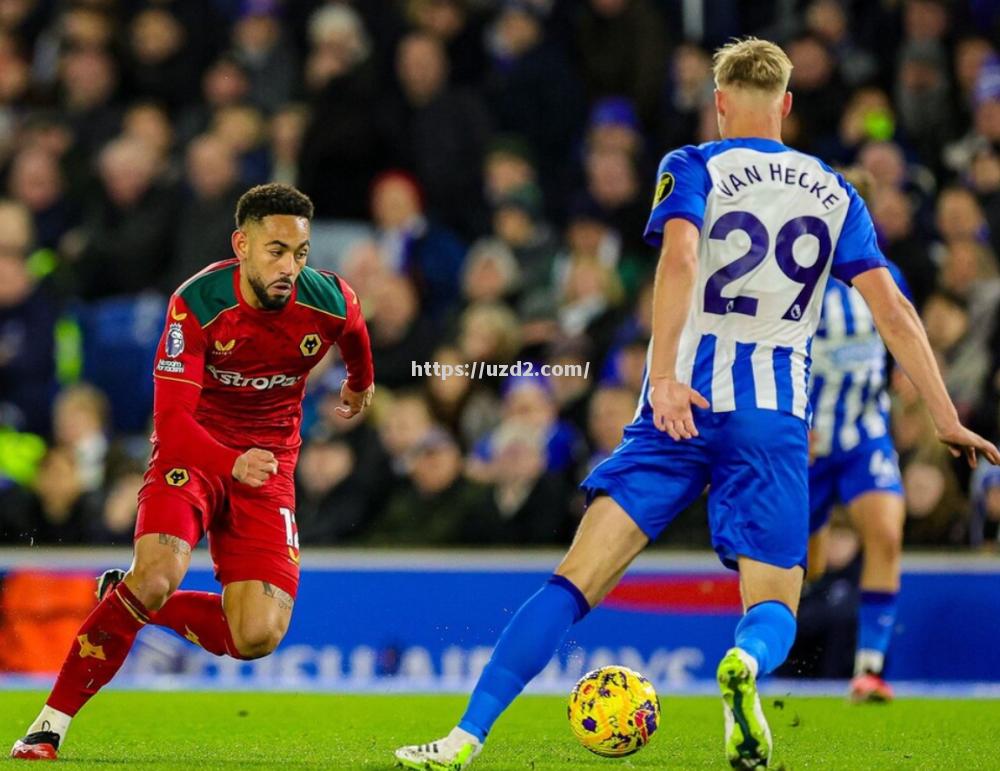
(198, 616)
(108, 633)
(99, 649)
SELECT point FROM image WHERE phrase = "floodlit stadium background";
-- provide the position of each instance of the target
(481, 171)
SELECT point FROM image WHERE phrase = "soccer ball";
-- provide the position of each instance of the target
(613, 711)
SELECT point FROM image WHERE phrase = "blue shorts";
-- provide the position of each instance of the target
(756, 462)
(872, 466)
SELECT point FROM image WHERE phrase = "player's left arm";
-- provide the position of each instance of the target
(904, 335)
(858, 260)
(357, 390)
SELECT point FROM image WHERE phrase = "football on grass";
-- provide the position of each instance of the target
(613, 711)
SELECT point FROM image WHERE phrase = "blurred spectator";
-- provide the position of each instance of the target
(225, 82)
(406, 417)
(971, 53)
(611, 409)
(622, 45)
(341, 141)
(530, 401)
(161, 64)
(37, 181)
(614, 186)
(241, 126)
(28, 315)
(149, 123)
(964, 361)
(115, 524)
(56, 510)
(287, 128)
(457, 26)
(491, 272)
(330, 505)
(128, 229)
(530, 502)
(438, 132)
(509, 165)
(923, 97)
(437, 505)
(88, 83)
(518, 223)
(819, 93)
(902, 244)
(260, 46)
(205, 223)
(400, 332)
(77, 27)
(532, 89)
(488, 332)
(828, 20)
(985, 527)
(590, 295)
(959, 216)
(691, 88)
(571, 388)
(80, 423)
(411, 243)
(868, 117)
(462, 404)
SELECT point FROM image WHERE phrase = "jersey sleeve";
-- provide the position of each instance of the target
(354, 344)
(177, 382)
(682, 185)
(857, 248)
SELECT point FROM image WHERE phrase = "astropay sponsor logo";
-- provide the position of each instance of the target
(261, 383)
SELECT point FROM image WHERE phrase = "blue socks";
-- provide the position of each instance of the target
(523, 650)
(767, 632)
(876, 619)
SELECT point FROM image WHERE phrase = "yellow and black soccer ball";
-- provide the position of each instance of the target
(613, 711)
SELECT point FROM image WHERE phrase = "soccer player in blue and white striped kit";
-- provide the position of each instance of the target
(855, 464)
(749, 232)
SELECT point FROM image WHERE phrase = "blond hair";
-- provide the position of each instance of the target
(752, 63)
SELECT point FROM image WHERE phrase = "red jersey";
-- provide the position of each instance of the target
(229, 377)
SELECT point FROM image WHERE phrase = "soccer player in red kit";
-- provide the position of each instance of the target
(230, 372)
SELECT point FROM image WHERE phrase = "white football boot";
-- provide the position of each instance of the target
(452, 753)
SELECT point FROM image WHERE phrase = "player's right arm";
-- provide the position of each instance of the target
(675, 224)
(177, 383)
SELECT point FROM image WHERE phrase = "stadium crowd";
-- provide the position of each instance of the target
(482, 171)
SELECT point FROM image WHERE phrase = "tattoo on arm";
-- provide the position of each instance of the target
(284, 599)
(178, 545)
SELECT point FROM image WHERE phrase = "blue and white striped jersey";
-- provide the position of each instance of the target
(774, 224)
(848, 390)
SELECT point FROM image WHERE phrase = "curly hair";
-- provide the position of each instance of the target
(264, 200)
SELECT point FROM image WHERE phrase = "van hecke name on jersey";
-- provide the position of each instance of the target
(786, 175)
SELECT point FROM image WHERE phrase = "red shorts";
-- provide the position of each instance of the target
(252, 535)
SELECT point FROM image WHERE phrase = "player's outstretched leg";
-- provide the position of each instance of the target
(606, 543)
(764, 637)
(878, 517)
(104, 640)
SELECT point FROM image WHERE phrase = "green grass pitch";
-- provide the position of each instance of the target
(271, 730)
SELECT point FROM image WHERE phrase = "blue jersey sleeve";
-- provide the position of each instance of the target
(857, 248)
(682, 185)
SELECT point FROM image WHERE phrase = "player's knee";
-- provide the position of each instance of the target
(152, 585)
(255, 640)
(883, 543)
